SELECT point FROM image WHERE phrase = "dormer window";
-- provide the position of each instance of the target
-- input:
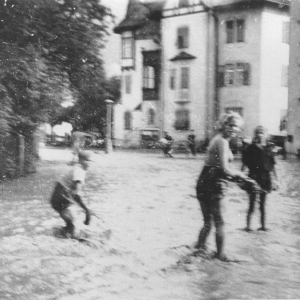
(183, 37)
(127, 44)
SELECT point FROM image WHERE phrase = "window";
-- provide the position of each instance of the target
(284, 75)
(127, 44)
(128, 120)
(127, 84)
(229, 31)
(235, 31)
(184, 78)
(151, 116)
(149, 77)
(234, 74)
(173, 79)
(183, 37)
(229, 74)
(182, 121)
(240, 74)
(183, 3)
(238, 110)
(285, 32)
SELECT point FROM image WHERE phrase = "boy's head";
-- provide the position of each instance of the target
(85, 158)
(259, 134)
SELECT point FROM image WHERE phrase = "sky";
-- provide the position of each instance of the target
(111, 53)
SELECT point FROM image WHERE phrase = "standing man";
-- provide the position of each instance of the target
(168, 145)
(192, 143)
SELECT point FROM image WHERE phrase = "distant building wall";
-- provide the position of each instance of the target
(274, 70)
(194, 98)
(293, 119)
(243, 98)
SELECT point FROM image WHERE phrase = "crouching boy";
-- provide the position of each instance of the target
(67, 195)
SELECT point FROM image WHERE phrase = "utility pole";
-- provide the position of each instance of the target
(108, 142)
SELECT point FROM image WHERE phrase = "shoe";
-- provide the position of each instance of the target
(263, 229)
(247, 229)
(223, 258)
(202, 253)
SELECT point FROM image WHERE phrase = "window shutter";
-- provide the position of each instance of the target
(240, 24)
(221, 76)
(246, 74)
(173, 79)
(185, 78)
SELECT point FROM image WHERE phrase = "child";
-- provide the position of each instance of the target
(67, 194)
(259, 159)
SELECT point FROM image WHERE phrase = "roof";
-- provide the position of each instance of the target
(138, 14)
(222, 3)
(182, 56)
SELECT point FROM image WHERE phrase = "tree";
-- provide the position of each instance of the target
(49, 47)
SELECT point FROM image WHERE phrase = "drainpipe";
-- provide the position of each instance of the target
(161, 84)
(211, 12)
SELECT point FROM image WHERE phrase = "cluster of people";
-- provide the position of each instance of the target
(167, 141)
(217, 171)
(258, 158)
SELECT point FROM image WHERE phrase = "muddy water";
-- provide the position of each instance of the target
(148, 220)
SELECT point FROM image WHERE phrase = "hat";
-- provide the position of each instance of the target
(85, 155)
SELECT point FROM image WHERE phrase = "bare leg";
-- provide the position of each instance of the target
(262, 205)
(68, 217)
(219, 224)
(204, 232)
(252, 197)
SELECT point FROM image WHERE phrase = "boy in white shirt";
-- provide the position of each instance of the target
(67, 194)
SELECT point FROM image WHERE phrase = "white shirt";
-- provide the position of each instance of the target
(76, 174)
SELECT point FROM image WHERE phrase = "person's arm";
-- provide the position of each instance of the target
(224, 161)
(77, 194)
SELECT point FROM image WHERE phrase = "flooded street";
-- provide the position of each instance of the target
(148, 220)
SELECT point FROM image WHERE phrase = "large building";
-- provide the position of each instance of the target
(184, 62)
(293, 116)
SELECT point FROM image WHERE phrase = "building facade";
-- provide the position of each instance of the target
(293, 119)
(184, 62)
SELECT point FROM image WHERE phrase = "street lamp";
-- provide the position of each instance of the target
(108, 144)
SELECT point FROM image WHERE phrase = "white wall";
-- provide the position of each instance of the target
(293, 125)
(274, 54)
(246, 97)
(197, 24)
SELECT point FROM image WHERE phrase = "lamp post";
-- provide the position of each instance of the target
(108, 142)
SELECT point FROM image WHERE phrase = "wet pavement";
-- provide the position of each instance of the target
(147, 222)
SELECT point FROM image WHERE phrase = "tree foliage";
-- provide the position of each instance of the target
(50, 49)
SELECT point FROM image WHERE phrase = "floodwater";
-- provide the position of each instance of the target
(148, 220)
